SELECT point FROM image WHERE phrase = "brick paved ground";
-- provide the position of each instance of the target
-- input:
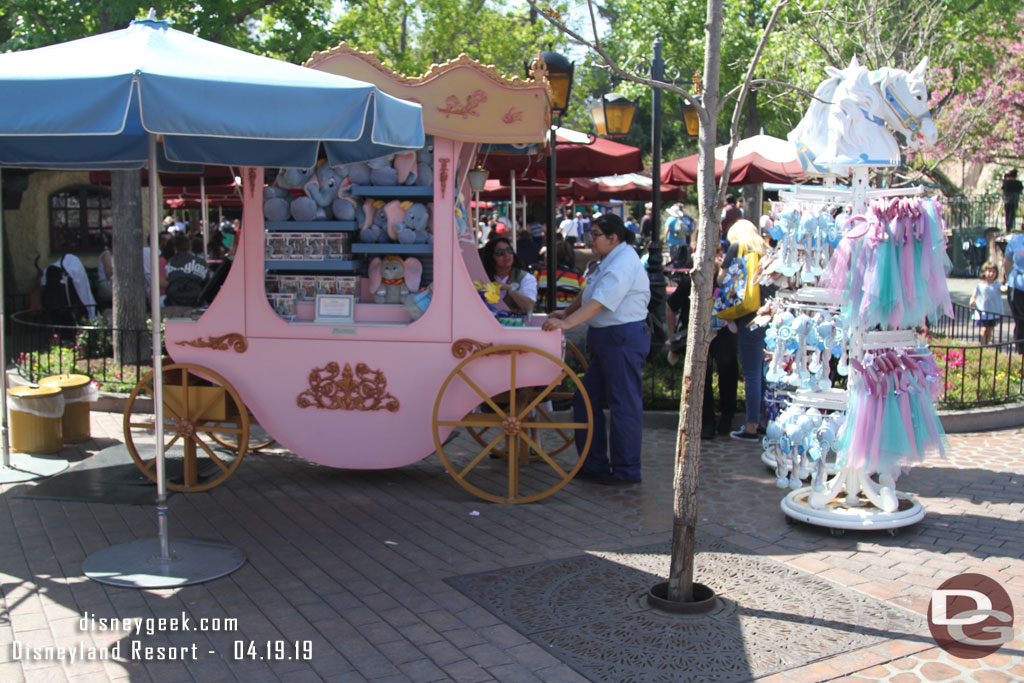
(356, 562)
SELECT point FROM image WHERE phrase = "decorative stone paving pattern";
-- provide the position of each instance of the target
(591, 612)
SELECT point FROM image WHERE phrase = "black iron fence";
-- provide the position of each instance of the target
(974, 374)
(37, 347)
(963, 328)
(981, 375)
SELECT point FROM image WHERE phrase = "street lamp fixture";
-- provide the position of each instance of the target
(560, 73)
(477, 178)
(613, 115)
(690, 116)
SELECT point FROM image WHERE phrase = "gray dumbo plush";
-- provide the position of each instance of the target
(277, 202)
(321, 191)
(382, 172)
(417, 224)
(359, 173)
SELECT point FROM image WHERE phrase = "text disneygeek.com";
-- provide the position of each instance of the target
(135, 650)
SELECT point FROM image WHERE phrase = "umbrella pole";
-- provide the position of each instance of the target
(206, 217)
(158, 371)
(515, 207)
(148, 562)
(15, 467)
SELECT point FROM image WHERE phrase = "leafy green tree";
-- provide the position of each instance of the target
(409, 37)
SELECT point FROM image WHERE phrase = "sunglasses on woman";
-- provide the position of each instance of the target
(502, 252)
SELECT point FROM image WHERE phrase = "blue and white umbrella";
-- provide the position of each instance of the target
(94, 102)
(104, 101)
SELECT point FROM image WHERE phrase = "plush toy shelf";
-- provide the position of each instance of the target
(370, 248)
(310, 226)
(279, 265)
(393, 191)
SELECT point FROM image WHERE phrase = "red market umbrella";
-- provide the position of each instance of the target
(217, 195)
(759, 159)
(634, 187)
(575, 158)
(532, 188)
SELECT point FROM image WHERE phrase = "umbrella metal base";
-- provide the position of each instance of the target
(24, 467)
(138, 564)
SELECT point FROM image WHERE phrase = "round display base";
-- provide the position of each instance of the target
(138, 564)
(838, 515)
(704, 599)
(24, 467)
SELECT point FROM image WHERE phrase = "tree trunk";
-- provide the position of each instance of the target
(130, 335)
(684, 523)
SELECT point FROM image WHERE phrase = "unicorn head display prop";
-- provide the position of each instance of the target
(848, 122)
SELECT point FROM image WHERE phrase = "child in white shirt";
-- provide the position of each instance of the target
(987, 302)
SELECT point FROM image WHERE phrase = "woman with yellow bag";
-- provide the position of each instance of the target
(738, 300)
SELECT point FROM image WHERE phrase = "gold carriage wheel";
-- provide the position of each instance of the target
(483, 435)
(194, 410)
(228, 441)
(513, 425)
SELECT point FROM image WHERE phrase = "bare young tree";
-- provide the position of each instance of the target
(711, 199)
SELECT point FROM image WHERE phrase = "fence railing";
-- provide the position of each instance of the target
(38, 347)
(974, 375)
(963, 327)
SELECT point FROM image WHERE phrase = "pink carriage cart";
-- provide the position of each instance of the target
(347, 382)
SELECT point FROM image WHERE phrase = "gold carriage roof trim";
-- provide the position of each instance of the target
(462, 98)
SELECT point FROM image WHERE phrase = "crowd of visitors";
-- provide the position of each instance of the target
(71, 296)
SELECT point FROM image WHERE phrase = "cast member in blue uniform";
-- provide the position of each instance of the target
(614, 305)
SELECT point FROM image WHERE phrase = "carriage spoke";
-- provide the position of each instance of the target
(547, 416)
(556, 425)
(468, 423)
(482, 394)
(544, 455)
(217, 429)
(209, 452)
(541, 395)
(513, 464)
(481, 455)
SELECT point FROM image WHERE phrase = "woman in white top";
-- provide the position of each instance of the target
(518, 285)
(613, 304)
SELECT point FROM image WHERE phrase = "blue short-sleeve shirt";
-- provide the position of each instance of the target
(1015, 250)
(620, 284)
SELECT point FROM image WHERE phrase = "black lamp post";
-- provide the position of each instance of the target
(613, 116)
(560, 71)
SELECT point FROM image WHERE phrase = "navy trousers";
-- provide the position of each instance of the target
(613, 381)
